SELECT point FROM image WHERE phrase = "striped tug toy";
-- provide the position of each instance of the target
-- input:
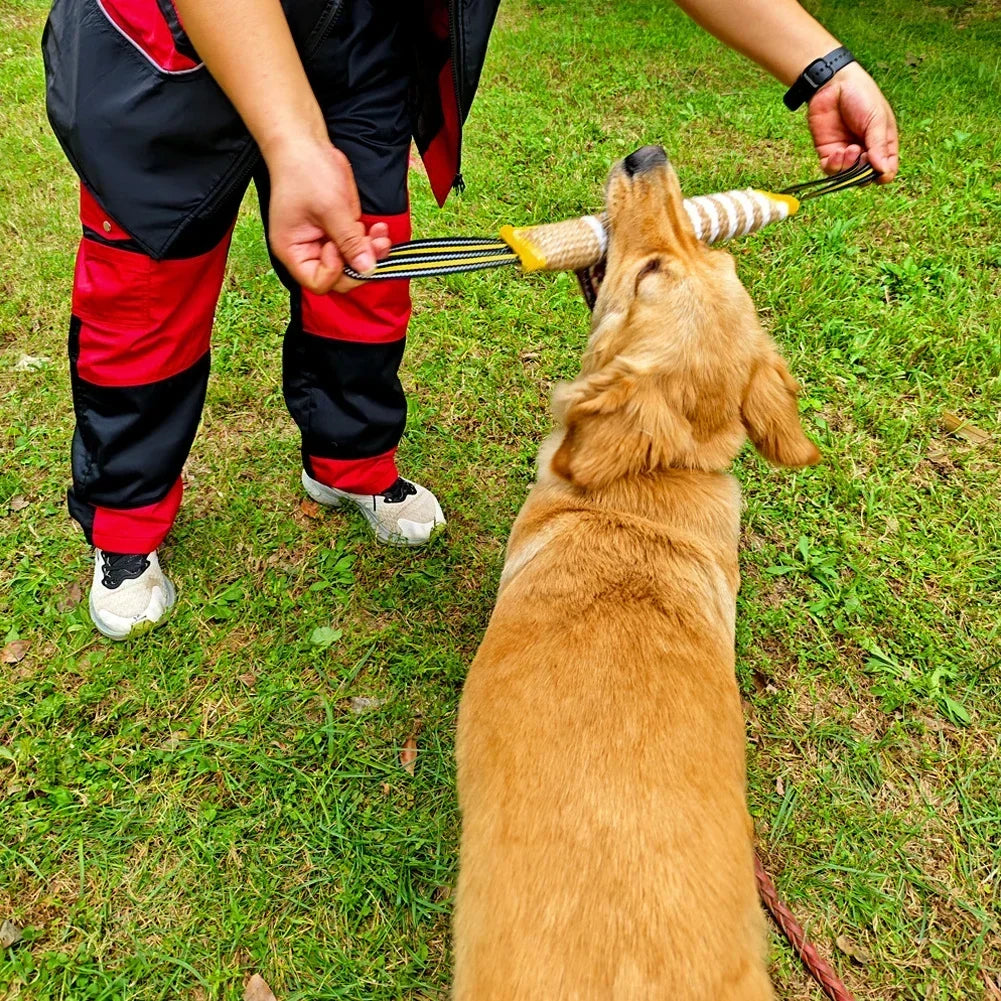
(580, 244)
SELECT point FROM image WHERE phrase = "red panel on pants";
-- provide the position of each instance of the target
(142, 320)
(138, 529)
(373, 313)
(357, 476)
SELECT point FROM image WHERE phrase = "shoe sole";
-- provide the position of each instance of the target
(332, 498)
(140, 627)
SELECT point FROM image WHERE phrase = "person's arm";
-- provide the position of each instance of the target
(315, 212)
(847, 116)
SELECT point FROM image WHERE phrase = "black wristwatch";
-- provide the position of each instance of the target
(815, 76)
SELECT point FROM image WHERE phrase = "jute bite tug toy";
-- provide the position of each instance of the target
(580, 244)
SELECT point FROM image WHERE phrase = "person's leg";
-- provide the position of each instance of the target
(139, 363)
(343, 351)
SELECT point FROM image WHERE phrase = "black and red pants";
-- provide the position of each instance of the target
(139, 340)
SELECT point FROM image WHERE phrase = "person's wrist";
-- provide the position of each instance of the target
(817, 75)
(293, 143)
(853, 71)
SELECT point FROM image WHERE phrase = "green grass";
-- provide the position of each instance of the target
(185, 809)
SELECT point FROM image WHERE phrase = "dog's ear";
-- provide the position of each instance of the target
(771, 416)
(617, 423)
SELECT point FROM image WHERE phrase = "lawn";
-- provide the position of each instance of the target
(226, 795)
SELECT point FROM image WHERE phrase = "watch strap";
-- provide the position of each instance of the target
(815, 76)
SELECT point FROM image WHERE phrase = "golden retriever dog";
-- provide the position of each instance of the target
(606, 847)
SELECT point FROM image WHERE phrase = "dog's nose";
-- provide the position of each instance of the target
(645, 158)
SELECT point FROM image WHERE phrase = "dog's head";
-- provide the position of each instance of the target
(678, 369)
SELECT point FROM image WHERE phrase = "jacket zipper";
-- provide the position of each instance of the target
(323, 28)
(458, 183)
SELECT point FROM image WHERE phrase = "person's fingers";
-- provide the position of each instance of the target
(346, 284)
(892, 160)
(341, 221)
(835, 157)
(317, 267)
(831, 163)
(330, 258)
(849, 155)
(349, 234)
(378, 233)
(310, 275)
(874, 137)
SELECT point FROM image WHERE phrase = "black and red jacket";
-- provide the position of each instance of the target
(160, 146)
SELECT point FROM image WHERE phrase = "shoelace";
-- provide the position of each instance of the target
(117, 568)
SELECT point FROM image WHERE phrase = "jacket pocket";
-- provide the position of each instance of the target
(160, 149)
(154, 28)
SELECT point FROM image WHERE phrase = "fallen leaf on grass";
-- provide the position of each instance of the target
(955, 425)
(780, 786)
(363, 703)
(853, 951)
(19, 503)
(257, 989)
(14, 653)
(310, 508)
(325, 636)
(72, 598)
(408, 756)
(10, 934)
(31, 363)
(955, 711)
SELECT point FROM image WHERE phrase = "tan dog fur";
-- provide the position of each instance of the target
(606, 846)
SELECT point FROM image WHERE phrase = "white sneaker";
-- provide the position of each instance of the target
(406, 514)
(129, 595)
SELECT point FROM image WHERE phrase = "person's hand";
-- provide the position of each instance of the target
(849, 116)
(315, 217)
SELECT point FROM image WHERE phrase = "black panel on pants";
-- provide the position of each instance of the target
(133, 440)
(345, 396)
(362, 76)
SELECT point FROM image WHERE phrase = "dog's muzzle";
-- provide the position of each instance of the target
(644, 159)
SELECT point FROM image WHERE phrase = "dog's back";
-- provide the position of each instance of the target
(605, 846)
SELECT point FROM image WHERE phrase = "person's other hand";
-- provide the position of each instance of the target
(315, 217)
(849, 116)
